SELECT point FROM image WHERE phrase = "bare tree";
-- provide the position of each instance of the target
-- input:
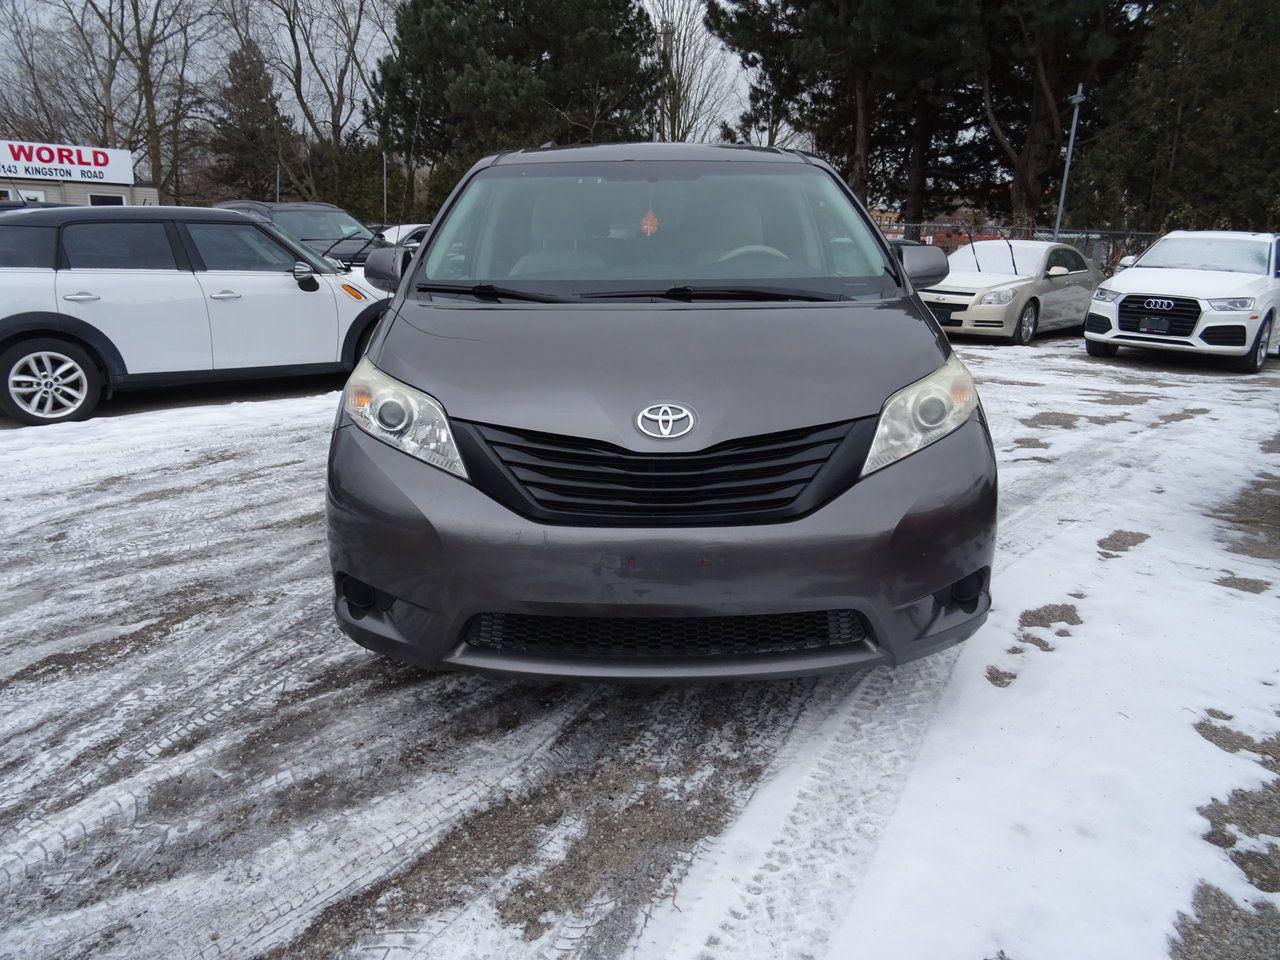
(698, 74)
(157, 41)
(39, 99)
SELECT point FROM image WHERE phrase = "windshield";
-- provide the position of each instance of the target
(996, 256)
(301, 252)
(321, 224)
(1208, 253)
(631, 227)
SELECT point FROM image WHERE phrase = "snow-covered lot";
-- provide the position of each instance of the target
(195, 763)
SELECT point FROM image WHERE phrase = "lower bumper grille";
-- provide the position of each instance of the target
(1232, 335)
(1095, 323)
(639, 638)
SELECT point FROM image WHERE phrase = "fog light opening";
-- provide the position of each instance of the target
(358, 594)
(969, 588)
(965, 593)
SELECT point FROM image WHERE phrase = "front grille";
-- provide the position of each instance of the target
(1183, 316)
(1097, 324)
(1224, 336)
(561, 479)
(658, 638)
(942, 312)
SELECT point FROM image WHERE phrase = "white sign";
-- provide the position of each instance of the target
(56, 161)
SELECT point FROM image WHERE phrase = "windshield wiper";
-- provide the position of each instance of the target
(686, 292)
(487, 291)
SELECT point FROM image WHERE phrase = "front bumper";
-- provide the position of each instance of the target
(439, 552)
(959, 315)
(1193, 343)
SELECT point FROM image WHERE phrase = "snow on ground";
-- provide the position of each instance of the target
(195, 763)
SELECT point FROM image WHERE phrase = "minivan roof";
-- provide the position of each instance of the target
(56, 216)
(651, 151)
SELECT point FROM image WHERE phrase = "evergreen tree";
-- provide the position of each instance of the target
(1193, 134)
(250, 134)
(468, 77)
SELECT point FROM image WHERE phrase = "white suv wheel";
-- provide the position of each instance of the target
(48, 385)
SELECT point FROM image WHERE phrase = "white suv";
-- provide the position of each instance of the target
(1200, 292)
(94, 300)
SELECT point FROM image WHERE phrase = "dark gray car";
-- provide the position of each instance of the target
(659, 411)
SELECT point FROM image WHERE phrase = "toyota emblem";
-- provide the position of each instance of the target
(665, 421)
(1157, 303)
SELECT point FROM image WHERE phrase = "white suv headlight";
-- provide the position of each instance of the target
(1104, 295)
(401, 416)
(921, 413)
(1232, 303)
(998, 296)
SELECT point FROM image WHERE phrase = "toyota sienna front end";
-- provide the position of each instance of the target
(659, 411)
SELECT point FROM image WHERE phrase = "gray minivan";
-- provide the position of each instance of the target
(655, 411)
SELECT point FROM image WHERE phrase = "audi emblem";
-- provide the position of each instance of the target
(1158, 303)
(665, 421)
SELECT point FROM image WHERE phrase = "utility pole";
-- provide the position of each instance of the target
(384, 188)
(1071, 146)
(277, 183)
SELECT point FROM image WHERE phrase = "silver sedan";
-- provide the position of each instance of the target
(1013, 289)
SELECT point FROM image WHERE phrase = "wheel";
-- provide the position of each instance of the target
(1028, 320)
(1097, 348)
(48, 381)
(1256, 358)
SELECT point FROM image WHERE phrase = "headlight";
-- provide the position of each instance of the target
(1233, 303)
(998, 296)
(401, 416)
(926, 411)
(1103, 295)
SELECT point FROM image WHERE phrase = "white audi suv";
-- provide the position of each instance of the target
(1210, 292)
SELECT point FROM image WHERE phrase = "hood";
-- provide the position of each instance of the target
(971, 281)
(1204, 284)
(588, 371)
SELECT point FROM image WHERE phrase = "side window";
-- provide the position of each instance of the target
(239, 246)
(1073, 261)
(118, 245)
(27, 247)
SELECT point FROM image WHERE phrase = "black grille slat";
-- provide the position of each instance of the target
(661, 638)
(1183, 316)
(692, 484)
(576, 476)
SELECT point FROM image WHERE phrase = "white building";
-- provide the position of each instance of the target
(60, 173)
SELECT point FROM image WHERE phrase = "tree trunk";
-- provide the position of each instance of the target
(860, 169)
(918, 166)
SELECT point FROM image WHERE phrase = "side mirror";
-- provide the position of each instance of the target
(305, 276)
(383, 268)
(924, 265)
(1057, 272)
(1126, 262)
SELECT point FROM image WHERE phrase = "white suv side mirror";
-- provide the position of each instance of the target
(1126, 262)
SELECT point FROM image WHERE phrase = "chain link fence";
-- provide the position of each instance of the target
(1104, 247)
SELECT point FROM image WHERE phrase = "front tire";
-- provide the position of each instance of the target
(1256, 358)
(1028, 321)
(1097, 348)
(45, 380)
